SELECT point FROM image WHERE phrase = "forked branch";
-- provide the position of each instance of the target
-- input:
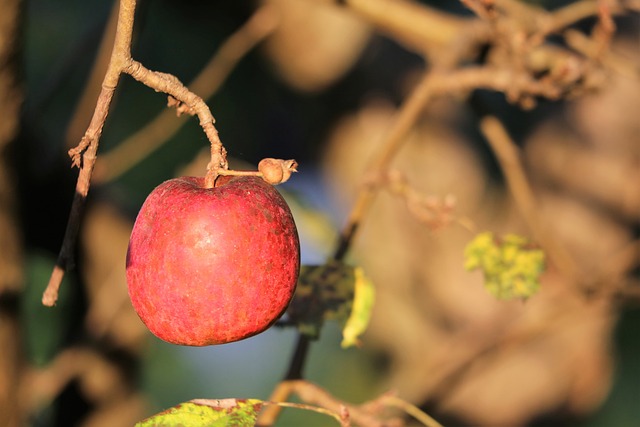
(84, 155)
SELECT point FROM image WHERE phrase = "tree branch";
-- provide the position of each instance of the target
(84, 155)
(143, 142)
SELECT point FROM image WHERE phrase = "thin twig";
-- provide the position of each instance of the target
(84, 156)
(586, 46)
(484, 9)
(155, 133)
(339, 417)
(401, 125)
(604, 30)
(169, 84)
(310, 393)
(412, 410)
(575, 12)
(430, 210)
(270, 414)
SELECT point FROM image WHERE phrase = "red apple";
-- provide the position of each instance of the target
(212, 265)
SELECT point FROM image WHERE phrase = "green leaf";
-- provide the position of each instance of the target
(327, 292)
(207, 413)
(361, 312)
(511, 266)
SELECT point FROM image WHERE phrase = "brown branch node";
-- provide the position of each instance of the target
(430, 210)
(181, 107)
(76, 152)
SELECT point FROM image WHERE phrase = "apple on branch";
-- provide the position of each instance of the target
(212, 265)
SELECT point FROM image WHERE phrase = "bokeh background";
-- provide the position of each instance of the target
(321, 89)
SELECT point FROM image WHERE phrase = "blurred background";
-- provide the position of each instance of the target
(321, 84)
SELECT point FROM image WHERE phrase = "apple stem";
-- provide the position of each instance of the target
(218, 161)
(273, 171)
(229, 172)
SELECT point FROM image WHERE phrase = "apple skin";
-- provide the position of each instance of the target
(212, 266)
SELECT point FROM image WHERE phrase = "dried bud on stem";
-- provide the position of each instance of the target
(277, 171)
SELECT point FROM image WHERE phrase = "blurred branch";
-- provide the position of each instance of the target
(604, 30)
(433, 84)
(509, 75)
(518, 62)
(341, 417)
(11, 245)
(430, 210)
(400, 127)
(11, 98)
(410, 409)
(368, 414)
(419, 27)
(101, 381)
(510, 162)
(280, 393)
(12, 263)
(158, 131)
(11, 366)
(431, 32)
(586, 46)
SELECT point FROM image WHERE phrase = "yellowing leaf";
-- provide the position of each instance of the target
(332, 291)
(361, 311)
(324, 292)
(207, 413)
(511, 266)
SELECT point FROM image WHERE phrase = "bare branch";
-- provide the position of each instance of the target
(419, 27)
(84, 155)
(149, 138)
(361, 415)
(167, 83)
